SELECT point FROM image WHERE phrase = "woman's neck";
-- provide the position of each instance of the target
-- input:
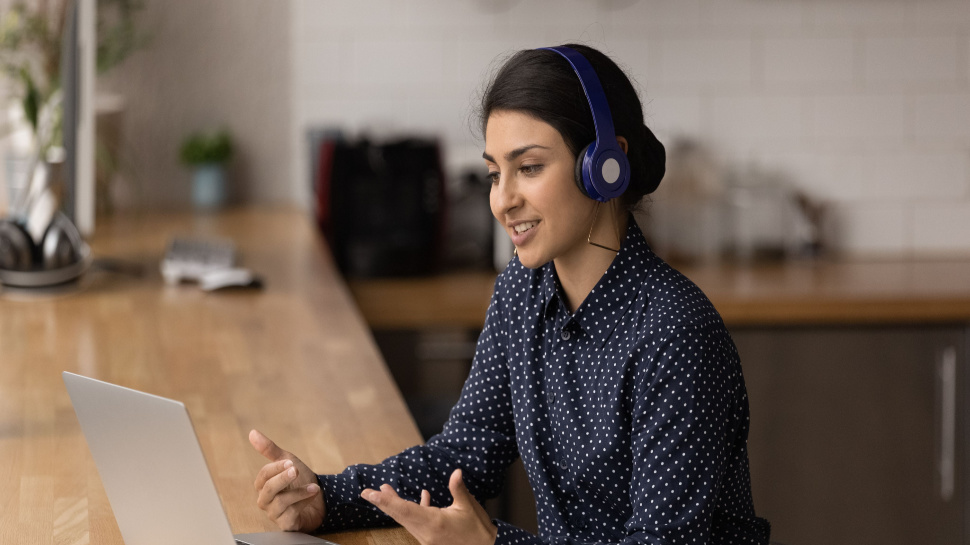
(580, 271)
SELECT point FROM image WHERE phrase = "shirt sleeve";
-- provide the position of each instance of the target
(690, 426)
(479, 438)
(689, 420)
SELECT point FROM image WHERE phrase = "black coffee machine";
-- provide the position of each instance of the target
(381, 206)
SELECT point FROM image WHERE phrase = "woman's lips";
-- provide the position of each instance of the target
(521, 233)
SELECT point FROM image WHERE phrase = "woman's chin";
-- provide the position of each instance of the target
(530, 261)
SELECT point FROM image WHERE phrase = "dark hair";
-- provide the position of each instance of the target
(542, 84)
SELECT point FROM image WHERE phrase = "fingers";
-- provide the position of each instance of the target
(276, 484)
(264, 446)
(459, 492)
(269, 471)
(405, 512)
(285, 506)
(287, 490)
(464, 522)
(289, 519)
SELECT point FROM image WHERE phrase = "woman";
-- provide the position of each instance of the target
(608, 372)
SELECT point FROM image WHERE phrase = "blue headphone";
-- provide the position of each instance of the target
(602, 169)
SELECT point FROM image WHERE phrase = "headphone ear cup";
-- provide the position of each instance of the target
(62, 244)
(579, 170)
(16, 247)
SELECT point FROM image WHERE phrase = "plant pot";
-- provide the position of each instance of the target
(209, 186)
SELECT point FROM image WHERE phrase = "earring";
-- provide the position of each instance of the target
(589, 237)
(515, 251)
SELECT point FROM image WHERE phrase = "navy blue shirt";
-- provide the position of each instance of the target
(630, 415)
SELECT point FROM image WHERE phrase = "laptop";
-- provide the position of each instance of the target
(153, 469)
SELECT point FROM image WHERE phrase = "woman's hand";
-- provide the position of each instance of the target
(288, 489)
(464, 521)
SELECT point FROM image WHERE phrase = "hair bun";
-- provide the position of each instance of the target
(655, 159)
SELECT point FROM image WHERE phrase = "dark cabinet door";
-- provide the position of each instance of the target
(857, 434)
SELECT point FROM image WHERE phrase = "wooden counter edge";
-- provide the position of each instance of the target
(461, 301)
(834, 312)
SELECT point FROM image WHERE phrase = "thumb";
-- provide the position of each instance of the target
(265, 446)
(459, 492)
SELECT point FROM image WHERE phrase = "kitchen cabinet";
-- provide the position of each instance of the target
(858, 433)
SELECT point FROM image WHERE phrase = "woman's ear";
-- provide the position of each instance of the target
(624, 145)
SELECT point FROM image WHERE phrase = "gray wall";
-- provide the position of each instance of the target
(210, 63)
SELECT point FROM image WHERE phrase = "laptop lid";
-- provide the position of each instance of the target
(151, 465)
(153, 469)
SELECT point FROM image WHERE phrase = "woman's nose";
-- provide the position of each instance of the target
(505, 196)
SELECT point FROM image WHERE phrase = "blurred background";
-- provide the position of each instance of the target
(862, 105)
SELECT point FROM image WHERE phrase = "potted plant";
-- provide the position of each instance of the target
(207, 155)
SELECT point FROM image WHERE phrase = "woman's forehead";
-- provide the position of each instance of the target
(510, 129)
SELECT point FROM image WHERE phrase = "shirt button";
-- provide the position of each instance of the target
(565, 335)
(551, 398)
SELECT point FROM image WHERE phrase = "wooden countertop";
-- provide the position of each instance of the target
(823, 292)
(839, 292)
(295, 360)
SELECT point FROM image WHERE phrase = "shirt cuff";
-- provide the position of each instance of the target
(344, 507)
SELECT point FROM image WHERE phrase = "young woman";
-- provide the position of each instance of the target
(610, 374)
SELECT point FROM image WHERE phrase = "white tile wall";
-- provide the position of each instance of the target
(942, 226)
(926, 60)
(858, 13)
(913, 177)
(656, 14)
(777, 14)
(706, 62)
(864, 104)
(822, 63)
(859, 121)
(940, 13)
(943, 119)
(882, 228)
(559, 14)
(749, 123)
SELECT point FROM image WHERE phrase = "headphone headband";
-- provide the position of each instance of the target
(603, 170)
(602, 118)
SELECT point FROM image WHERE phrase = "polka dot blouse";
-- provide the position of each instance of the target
(630, 415)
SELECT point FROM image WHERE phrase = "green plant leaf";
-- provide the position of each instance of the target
(31, 100)
(200, 148)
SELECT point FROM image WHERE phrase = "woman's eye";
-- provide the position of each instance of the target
(530, 170)
(492, 176)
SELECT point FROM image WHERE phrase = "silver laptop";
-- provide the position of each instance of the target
(153, 469)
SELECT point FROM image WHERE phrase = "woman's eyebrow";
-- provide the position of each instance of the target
(514, 153)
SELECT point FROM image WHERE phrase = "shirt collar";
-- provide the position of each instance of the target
(612, 295)
(549, 290)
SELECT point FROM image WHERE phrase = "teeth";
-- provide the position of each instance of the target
(523, 227)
